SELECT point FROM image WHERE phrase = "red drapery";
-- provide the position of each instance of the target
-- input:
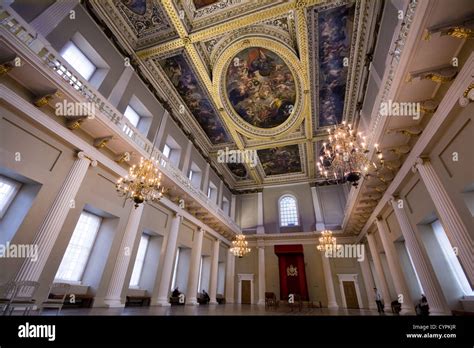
(290, 257)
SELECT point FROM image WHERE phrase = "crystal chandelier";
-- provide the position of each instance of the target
(344, 157)
(326, 241)
(142, 184)
(239, 246)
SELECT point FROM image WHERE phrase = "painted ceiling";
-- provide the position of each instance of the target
(268, 76)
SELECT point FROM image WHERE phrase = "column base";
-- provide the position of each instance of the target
(160, 302)
(192, 302)
(213, 302)
(113, 303)
(261, 302)
(229, 300)
(373, 307)
(320, 226)
(333, 305)
(407, 311)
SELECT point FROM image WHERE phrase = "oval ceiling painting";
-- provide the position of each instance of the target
(261, 87)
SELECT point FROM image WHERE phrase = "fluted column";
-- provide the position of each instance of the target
(317, 210)
(423, 268)
(395, 270)
(49, 19)
(379, 270)
(168, 262)
(193, 277)
(454, 227)
(51, 226)
(117, 282)
(368, 281)
(214, 270)
(261, 275)
(229, 274)
(332, 303)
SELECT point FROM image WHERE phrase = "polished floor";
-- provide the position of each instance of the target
(221, 310)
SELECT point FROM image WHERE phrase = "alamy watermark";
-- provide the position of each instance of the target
(346, 251)
(391, 108)
(73, 109)
(238, 156)
(22, 251)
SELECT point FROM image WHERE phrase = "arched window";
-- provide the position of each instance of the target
(288, 211)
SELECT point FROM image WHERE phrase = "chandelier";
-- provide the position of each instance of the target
(326, 241)
(142, 184)
(239, 246)
(344, 157)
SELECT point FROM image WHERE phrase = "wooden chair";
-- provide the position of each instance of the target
(23, 296)
(57, 295)
(271, 300)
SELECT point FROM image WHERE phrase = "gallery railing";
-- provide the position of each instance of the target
(22, 31)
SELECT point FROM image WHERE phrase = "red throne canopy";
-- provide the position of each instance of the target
(292, 272)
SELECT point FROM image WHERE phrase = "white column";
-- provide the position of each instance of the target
(332, 303)
(113, 297)
(161, 130)
(368, 281)
(221, 194)
(214, 270)
(117, 92)
(52, 16)
(395, 270)
(261, 275)
(260, 226)
(52, 224)
(205, 180)
(168, 262)
(187, 158)
(229, 275)
(423, 268)
(232, 207)
(317, 210)
(193, 277)
(450, 219)
(379, 270)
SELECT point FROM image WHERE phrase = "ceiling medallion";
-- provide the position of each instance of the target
(259, 83)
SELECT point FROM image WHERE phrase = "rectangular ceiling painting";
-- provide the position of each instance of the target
(334, 37)
(280, 160)
(183, 79)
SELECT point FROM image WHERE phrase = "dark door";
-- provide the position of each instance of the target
(351, 295)
(246, 296)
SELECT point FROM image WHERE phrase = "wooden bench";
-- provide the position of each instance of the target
(137, 301)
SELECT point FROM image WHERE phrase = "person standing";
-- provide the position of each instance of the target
(378, 301)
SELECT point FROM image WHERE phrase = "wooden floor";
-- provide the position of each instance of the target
(228, 309)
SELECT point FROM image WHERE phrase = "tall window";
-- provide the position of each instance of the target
(78, 60)
(140, 260)
(79, 249)
(288, 211)
(190, 174)
(175, 271)
(8, 190)
(451, 258)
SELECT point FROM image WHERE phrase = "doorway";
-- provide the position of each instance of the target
(246, 295)
(351, 295)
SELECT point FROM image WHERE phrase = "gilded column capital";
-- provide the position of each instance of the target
(83, 155)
